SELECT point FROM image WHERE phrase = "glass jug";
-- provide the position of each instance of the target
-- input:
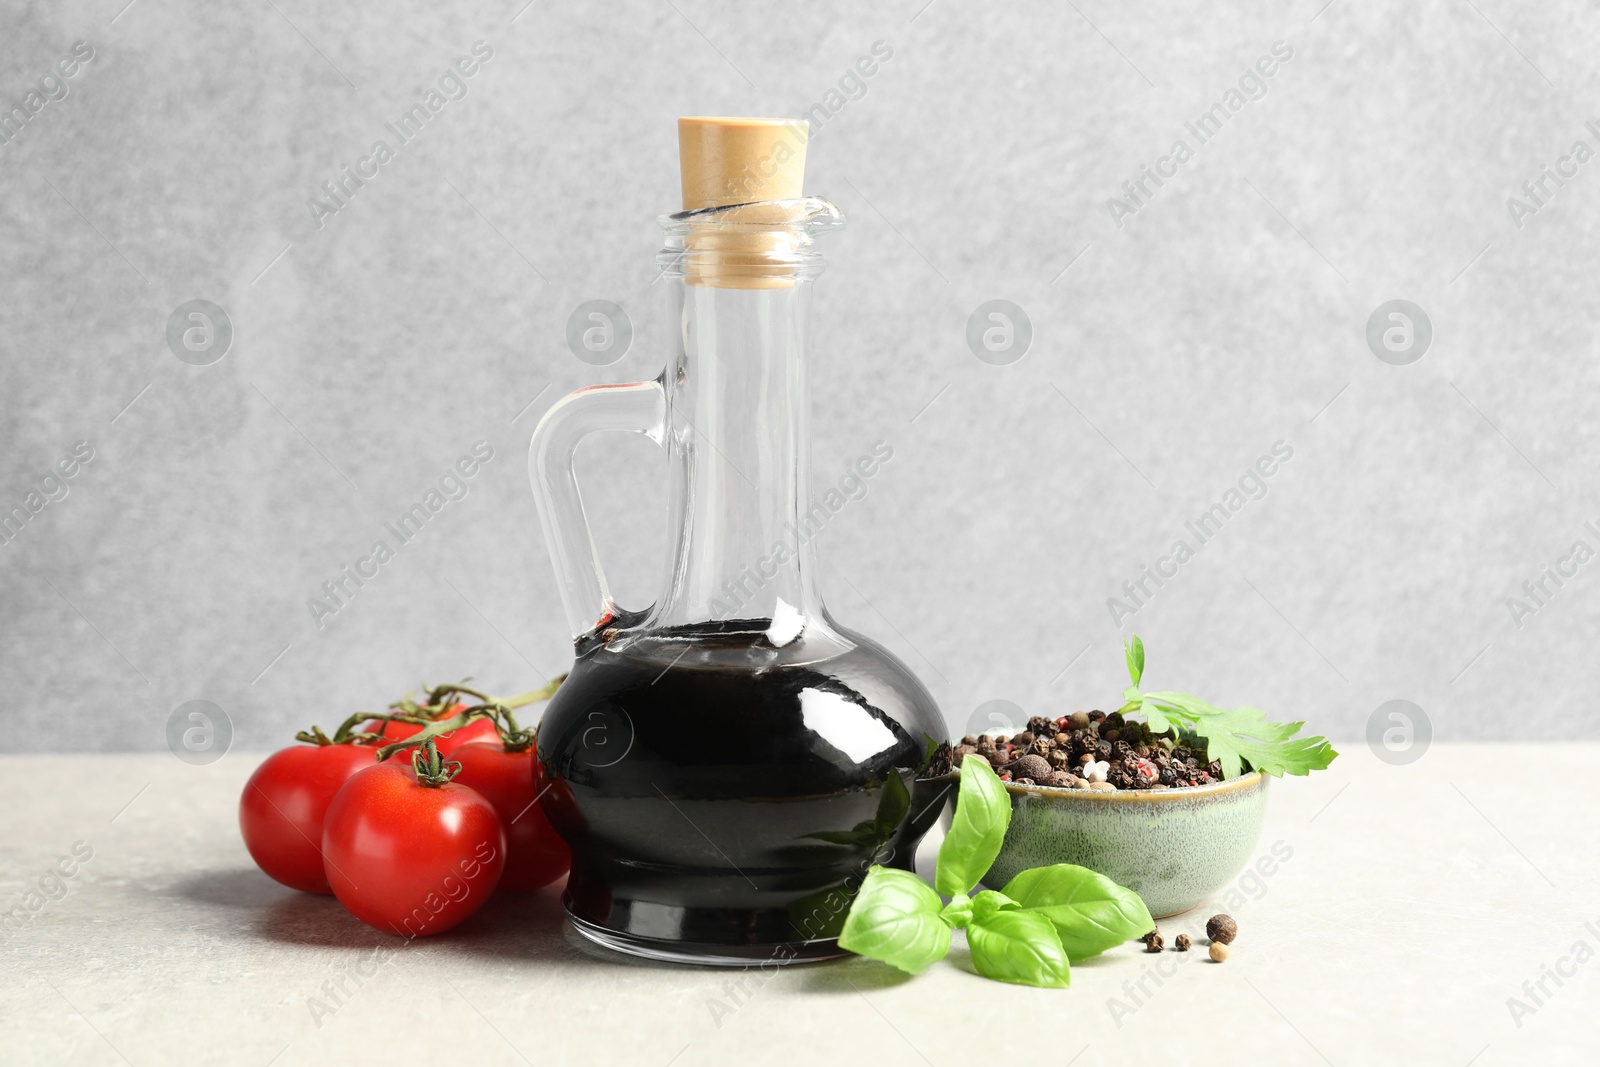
(727, 763)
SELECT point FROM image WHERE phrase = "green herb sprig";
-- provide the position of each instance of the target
(1233, 736)
(1029, 932)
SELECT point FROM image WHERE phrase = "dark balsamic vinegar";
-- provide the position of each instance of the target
(724, 797)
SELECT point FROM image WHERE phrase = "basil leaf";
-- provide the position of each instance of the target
(983, 811)
(988, 902)
(1011, 945)
(1134, 651)
(958, 913)
(895, 919)
(893, 803)
(1089, 911)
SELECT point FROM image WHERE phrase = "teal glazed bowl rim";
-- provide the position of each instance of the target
(1174, 847)
(1117, 796)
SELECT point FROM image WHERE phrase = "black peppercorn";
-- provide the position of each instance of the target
(1222, 929)
(1214, 768)
(1102, 750)
(1182, 943)
(1155, 943)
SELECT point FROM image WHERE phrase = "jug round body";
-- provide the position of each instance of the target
(724, 798)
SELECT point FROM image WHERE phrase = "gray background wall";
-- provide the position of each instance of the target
(1228, 314)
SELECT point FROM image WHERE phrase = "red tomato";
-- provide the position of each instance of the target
(390, 732)
(535, 854)
(474, 732)
(410, 858)
(282, 809)
(481, 730)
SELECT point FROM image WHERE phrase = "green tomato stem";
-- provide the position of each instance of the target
(430, 767)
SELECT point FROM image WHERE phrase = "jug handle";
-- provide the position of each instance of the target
(636, 407)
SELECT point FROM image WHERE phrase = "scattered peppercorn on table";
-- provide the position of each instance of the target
(1420, 914)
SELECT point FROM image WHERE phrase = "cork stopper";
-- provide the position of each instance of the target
(726, 161)
(741, 161)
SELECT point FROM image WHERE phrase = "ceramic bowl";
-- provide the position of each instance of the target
(1174, 847)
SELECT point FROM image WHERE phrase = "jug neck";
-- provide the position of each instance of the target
(737, 440)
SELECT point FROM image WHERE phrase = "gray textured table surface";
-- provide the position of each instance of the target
(1414, 905)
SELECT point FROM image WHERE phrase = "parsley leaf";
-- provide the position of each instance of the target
(1134, 651)
(1232, 736)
